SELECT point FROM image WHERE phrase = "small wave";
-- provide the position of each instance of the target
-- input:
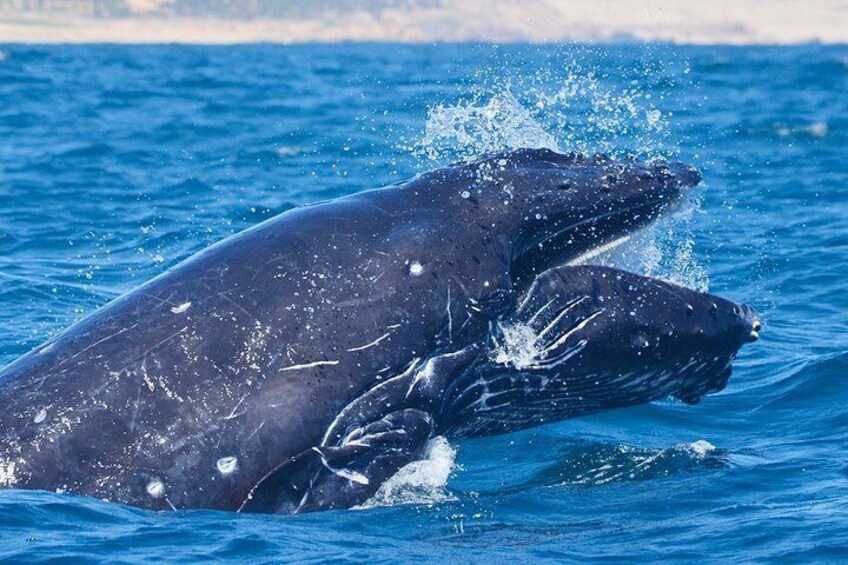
(787, 130)
(605, 464)
(815, 129)
(807, 382)
(420, 482)
(87, 151)
(289, 151)
(189, 186)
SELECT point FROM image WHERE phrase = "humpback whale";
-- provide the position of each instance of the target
(297, 365)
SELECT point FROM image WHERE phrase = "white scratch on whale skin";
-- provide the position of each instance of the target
(256, 431)
(574, 330)
(601, 249)
(425, 373)
(233, 413)
(352, 476)
(570, 306)
(450, 316)
(309, 365)
(372, 344)
(353, 404)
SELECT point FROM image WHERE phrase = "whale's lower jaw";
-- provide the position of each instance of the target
(588, 338)
(694, 394)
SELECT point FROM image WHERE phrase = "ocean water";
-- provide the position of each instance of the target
(118, 162)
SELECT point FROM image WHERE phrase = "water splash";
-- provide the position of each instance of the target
(471, 128)
(518, 347)
(564, 108)
(664, 250)
(420, 482)
(573, 108)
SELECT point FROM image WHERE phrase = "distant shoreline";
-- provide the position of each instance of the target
(584, 21)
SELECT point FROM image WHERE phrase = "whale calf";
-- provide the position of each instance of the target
(297, 365)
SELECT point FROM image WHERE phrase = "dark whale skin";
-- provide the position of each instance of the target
(189, 390)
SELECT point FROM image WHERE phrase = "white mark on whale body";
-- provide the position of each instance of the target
(41, 416)
(600, 250)
(156, 488)
(416, 269)
(425, 373)
(7, 473)
(227, 465)
(371, 344)
(352, 476)
(179, 309)
(579, 327)
(568, 308)
(309, 365)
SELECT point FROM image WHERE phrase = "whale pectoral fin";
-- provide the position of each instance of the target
(328, 477)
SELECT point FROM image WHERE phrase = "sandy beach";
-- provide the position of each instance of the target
(718, 22)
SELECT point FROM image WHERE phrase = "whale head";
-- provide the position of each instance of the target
(586, 339)
(561, 207)
(639, 337)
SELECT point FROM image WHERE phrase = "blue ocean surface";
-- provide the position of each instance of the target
(117, 162)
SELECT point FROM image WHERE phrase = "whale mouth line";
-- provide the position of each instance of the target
(584, 258)
(653, 208)
(622, 211)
